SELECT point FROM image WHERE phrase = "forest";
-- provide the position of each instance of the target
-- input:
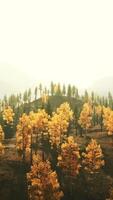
(56, 144)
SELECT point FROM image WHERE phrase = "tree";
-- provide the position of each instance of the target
(64, 90)
(12, 101)
(92, 97)
(23, 136)
(25, 97)
(69, 158)
(48, 108)
(69, 91)
(40, 89)
(36, 92)
(110, 100)
(76, 94)
(52, 88)
(5, 100)
(1, 139)
(8, 115)
(73, 91)
(29, 95)
(86, 96)
(58, 125)
(86, 116)
(108, 120)
(93, 157)
(43, 182)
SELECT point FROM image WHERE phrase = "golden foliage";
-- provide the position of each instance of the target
(1, 134)
(68, 160)
(98, 110)
(93, 158)
(1, 138)
(108, 120)
(86, 116)
(23, 134)
(8, 115)
(59, 123)
(30, 127)
(42, 182)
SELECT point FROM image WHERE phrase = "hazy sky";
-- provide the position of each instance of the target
(65, 41)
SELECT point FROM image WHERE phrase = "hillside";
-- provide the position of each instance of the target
(53, 103)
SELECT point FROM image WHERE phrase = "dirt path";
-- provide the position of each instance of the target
(12, 175)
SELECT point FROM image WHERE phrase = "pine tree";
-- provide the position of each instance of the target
(36, 92)
(64, 90)
(69, 91)
(52, 88)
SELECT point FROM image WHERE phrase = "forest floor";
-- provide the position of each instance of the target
(12, 174)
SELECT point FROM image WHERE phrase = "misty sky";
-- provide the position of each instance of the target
(64, 41)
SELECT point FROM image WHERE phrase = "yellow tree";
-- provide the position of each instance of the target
(1, 134)
(86, 116)
(57, 129)
(23, 135)
(93, 157)
(65, 110)
(69, 158)
(42, 182)
(1, 139)
(8, 115)
(108, 120)
(98, 110)
(40, 135)
(59, 123)
(40, 122)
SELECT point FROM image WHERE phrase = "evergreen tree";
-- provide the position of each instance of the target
(52, 88)
(25, 97)
(69, 91)
(86, 96)
(58, 92)
(92, 96)
(48, 108)
(76, 94)
(73, 91)
(5, 100)
(110, 99)
(64, 90)
(29, 95)
(40, 89)
(36, 92)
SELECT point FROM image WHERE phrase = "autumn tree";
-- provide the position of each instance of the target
(8, 115)
(1, 139)
(59, 123)
(69, 158)
(86, 117)
(93, 158)
(23, 136)
(42, 182)
(108, 120)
